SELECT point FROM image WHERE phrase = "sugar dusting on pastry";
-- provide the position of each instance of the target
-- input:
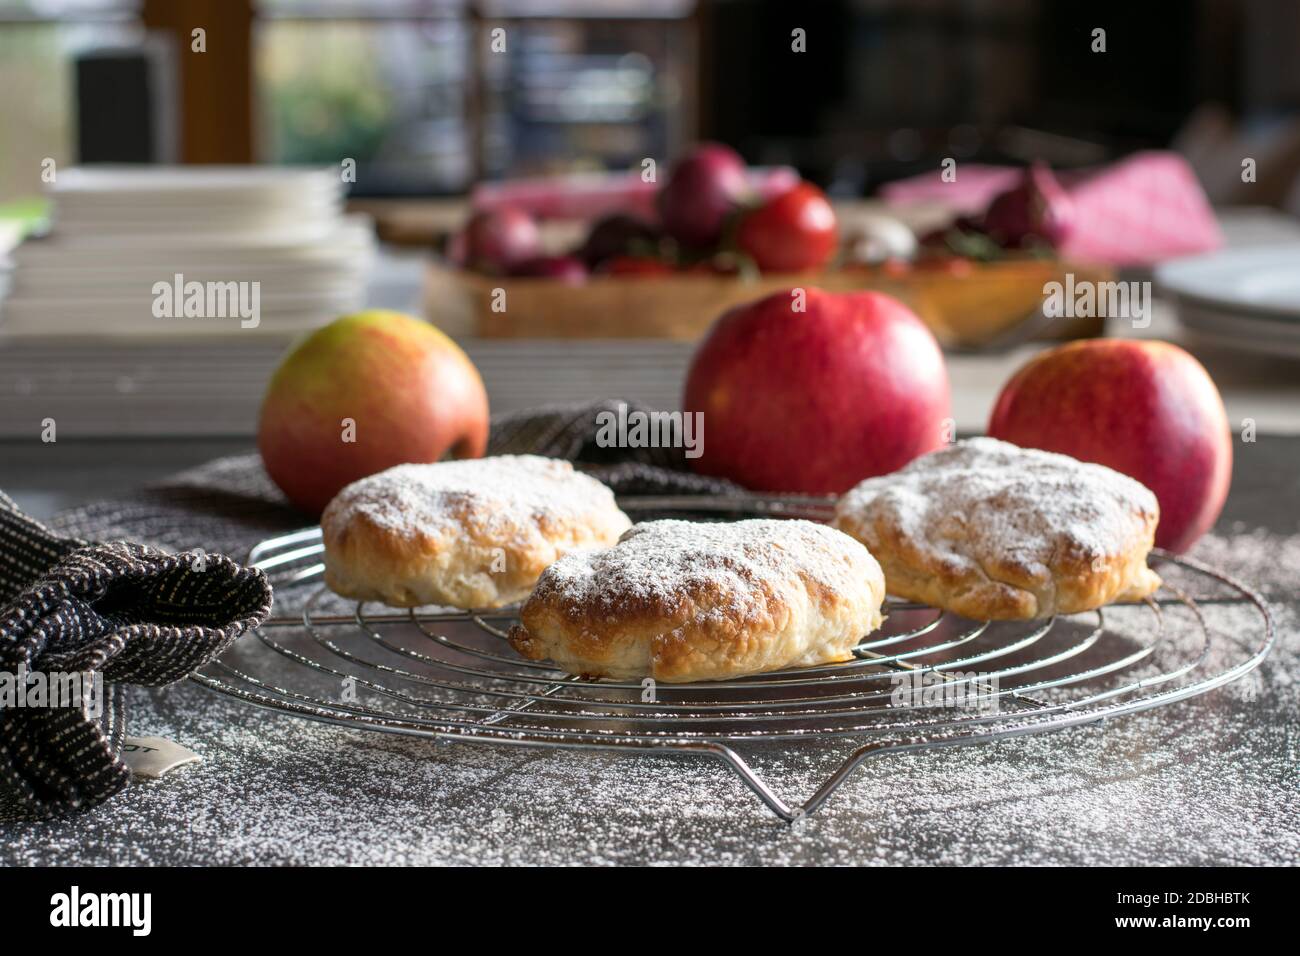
(993, 531)
(663, 560)
(997, 497)
(466, 534)
(681, 601)
(416, 499)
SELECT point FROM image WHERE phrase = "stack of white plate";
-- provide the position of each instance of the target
(1243, 299)
(122, 238)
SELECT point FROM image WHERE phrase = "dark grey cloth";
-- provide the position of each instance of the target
(570, 431)
(127, 612)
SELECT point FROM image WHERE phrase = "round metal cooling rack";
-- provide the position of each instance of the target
(927, 680)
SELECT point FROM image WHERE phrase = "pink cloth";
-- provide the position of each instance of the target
(1139, 211)
(975, 187)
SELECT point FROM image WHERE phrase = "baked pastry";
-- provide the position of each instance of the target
(468, 534)
(682, 601)
(995, 532)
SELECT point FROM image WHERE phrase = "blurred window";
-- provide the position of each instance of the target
(381, 82)
(411, 90)
(407, 88)
(38, 41)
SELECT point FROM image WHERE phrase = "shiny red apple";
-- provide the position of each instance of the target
(812, 391)
(794, 231)
(365, 393)
(1145, 408)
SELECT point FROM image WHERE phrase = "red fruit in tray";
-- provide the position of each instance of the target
(814, 401)
(1038, 208)
(636, 266)
(365, 393)
(498, 240)
(1144, 408)
(566, 269)
(618, 235)
(793, 232)
(703, 190)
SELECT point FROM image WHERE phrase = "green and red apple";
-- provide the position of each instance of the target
(365, 393)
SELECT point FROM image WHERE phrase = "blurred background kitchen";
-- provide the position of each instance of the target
(434, 120)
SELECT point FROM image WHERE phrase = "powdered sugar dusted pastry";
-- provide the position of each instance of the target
(468, 534)
(993, 531)
(680, 601)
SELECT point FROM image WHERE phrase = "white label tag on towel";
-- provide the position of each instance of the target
(154, 756)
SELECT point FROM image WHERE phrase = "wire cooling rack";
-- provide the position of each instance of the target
(927, 680)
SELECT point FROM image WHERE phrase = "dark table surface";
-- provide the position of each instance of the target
(1212, 780)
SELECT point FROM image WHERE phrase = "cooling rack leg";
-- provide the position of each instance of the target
(846, 770)
(810, 806)
(746, 773)
(774, 803)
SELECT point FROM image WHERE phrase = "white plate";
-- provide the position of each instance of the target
(313, 240)
(1261, 282)
(1242, 333)
(190, 183)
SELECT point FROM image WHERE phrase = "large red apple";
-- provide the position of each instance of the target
(1144, 408)
(816, 400)
(365, 393)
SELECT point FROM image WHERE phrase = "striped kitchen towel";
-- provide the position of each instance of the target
(80, 616)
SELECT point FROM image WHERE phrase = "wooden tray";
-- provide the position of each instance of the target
(971, 310)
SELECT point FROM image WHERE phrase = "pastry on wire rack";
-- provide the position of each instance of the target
(992, 531)
(683, 601)
(466, 534)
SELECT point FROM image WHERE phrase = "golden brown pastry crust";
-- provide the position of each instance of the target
(995, 532)
(682, 601)
(467, 534)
